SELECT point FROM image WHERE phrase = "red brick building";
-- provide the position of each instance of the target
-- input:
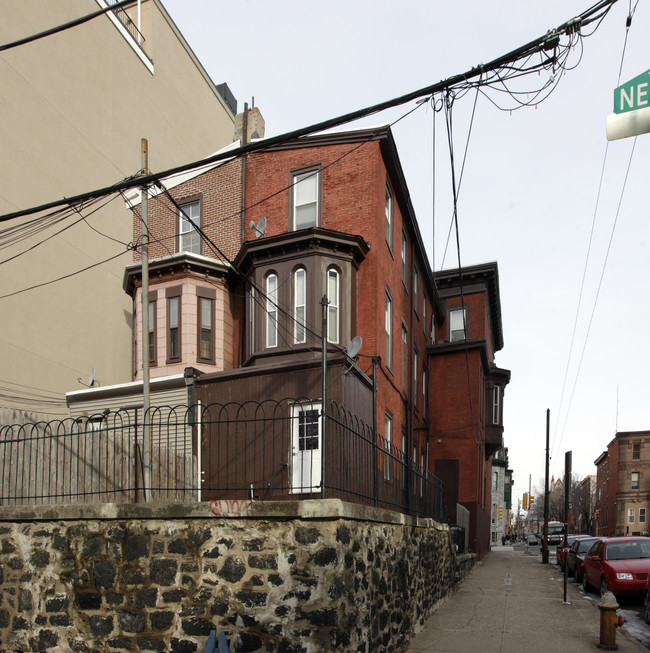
(623, 485)
(315, 241)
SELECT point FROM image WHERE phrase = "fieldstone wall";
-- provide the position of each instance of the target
(294, 577)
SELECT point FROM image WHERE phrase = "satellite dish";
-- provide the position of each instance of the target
(354, 347)
(91, 379)
(259, 228)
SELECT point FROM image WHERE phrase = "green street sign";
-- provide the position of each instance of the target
(633, 95)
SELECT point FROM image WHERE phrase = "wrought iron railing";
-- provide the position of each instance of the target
(126, 20)
(257, 450)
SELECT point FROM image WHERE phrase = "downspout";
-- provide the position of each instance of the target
(242, 205)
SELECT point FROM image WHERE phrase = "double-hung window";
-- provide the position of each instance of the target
(457, 324)
(389, 329)
(641, 515)
(299, 304)
(389, 217)
(188, 237)
(305, 211)
(630, 515)
(333, 292)
(205, 323)
(416, 284)
(272, 310)
(496, 405)
(635, 480)
(405, 260)
(174, 324)
(152, 329)
(636, 451)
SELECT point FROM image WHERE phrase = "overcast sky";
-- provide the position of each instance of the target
(531, 188)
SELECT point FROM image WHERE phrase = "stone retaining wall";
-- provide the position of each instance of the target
(294, 577)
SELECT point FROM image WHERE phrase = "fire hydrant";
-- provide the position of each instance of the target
(609, 622)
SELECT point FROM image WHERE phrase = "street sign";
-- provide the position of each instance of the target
(631, 115)
(633, 95)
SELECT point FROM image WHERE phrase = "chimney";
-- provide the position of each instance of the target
(254, 124)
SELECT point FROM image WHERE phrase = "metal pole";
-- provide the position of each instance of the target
(146, 401)
(546, 490)
(375, 471)
(324, 303)
(567, 503)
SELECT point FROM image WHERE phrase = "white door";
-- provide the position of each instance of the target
(306, 448)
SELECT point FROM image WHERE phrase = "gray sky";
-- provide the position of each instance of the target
(531, 188)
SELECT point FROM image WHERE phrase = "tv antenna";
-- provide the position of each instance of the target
(259, 228)
(91, 379)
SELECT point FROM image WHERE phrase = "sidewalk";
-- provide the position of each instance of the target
(511, 602)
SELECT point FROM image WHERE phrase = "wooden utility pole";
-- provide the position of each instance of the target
(146, 400)
(546, 491)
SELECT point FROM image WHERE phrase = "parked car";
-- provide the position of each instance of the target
(617, 564)
(531, 539)
(563, 550)
(576, 554)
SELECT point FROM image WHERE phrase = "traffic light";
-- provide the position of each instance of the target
(500, 512)
(597, 513)
(531, 500)
(525, 500)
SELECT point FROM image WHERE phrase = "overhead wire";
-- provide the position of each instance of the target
(556, 443)
(65, 26)
(597, 11)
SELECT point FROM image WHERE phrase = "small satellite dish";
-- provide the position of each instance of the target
(259, 228)
(354, 347)
(91, 379)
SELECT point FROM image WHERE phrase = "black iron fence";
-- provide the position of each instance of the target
(257, 450)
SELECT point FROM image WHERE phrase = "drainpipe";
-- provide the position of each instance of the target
(324, 303)
(243, 141)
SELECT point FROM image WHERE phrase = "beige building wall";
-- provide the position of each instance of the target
(74, 108)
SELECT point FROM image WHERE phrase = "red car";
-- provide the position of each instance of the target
(619, 565)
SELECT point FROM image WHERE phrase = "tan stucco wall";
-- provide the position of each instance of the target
(74, 107)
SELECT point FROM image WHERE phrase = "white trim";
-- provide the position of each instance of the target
(125, 33)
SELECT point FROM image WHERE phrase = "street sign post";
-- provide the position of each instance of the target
(631, 115)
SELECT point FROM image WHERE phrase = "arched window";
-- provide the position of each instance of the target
(299, 305)
(272, 310)
(333, 296)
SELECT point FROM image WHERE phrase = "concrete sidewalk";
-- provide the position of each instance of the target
(511, 602)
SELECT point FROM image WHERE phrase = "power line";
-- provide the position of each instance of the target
(539, 45)
(66, 26)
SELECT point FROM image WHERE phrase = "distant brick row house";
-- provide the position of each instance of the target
(623, 485)
(315, 241)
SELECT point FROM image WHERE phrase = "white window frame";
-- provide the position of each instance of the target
(630, 515)
(271, 330)
(388, 326)
(635, 476)
(300, 305)
(306, 458)
(390, 216)
(405, 260)
(456, 314)
(333, 296)
(301, 182)
(496, 405)
(189, 239)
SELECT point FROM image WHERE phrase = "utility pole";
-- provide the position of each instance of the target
(567, 504)
(146, 400)
(546, 491)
